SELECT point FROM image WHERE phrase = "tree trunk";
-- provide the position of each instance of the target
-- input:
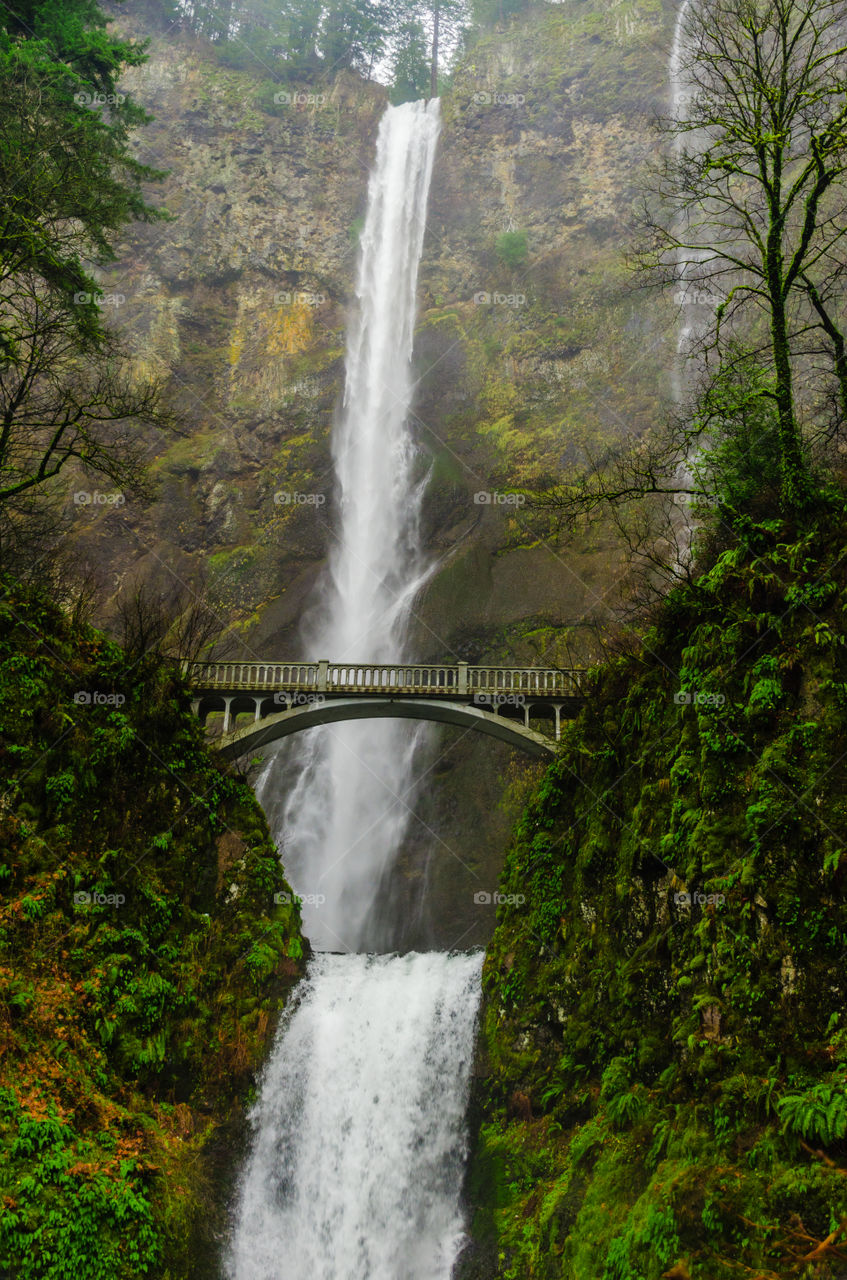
(836, 336)
(433, 70)
(795, 487)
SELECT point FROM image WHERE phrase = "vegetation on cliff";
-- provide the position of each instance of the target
(664, 1026)
(147, 936)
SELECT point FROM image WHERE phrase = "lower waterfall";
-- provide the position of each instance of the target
(359, 1148)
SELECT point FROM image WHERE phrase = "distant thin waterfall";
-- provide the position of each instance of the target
(342, 821)
(360, 1143)
(694, 309)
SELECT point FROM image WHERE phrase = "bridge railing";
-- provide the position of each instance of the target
(254, 675)
(458, 679)
(539, 680)
(391, 678)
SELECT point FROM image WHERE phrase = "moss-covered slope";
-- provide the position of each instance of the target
(143, 959)
(664, 1087)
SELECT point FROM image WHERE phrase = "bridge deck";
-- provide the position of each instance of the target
(460, 679)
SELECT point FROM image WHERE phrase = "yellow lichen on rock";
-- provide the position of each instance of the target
(292, 330)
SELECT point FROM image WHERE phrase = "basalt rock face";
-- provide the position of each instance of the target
(532, 348)
(528, 351)
(240, 302)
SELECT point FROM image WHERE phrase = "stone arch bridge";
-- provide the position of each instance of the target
(262, 702)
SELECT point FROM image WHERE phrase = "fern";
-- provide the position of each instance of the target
(819, 1114)
(625, 1104)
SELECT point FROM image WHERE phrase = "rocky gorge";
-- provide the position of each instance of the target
(531, 353)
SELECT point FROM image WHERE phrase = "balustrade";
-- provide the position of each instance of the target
(380, 678)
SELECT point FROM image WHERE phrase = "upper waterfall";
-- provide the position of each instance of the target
(344, 819)
(695, 304)
(375, 565)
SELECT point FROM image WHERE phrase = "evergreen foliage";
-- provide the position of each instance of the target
(131, 1028)
(70, 182)
(683, 1059)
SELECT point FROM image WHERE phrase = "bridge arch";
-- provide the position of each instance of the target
(333, 710)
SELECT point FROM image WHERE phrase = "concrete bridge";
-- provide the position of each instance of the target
(264, 701)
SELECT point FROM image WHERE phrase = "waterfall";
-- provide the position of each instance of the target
(341, 823)
(694, 306)
(357, 1166)
(358, 1145)
(678, 94)
(693, 303)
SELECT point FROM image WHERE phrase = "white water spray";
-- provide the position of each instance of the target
(357, 1167)
(695, 305)
(695, 314)
(679, 93)
(345, 817)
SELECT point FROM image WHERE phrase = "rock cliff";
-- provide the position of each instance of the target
(532, 349)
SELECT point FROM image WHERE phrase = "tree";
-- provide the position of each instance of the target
(267, 30)
(419, 33)
(353, 34)
(715, 461)
(70, 182)
(68, 174)
(410, 65)
(171, 621)
(64, 399)
(512, 247)
(284, 30)
(445, 20)
(751, 202)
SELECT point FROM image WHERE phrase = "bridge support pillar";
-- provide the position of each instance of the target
(323, 672)
(462, 677)
(227, 725)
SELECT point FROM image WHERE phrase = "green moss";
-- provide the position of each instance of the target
(142, 954)
(666, 1073)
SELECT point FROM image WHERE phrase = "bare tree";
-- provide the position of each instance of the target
(718, 452)
(63, 400)
(751, 204)
(177, 622)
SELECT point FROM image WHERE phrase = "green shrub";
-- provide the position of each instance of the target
(511, 248)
